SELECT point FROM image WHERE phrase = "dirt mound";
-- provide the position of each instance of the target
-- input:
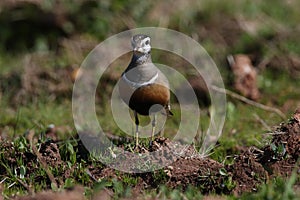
(50, 153)
(247, 172)
(250, 169)
(203, 173)
(279, 158)
(76, 193)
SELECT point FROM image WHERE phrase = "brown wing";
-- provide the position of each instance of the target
(143, 98)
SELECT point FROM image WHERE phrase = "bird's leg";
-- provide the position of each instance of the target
(153, 128)
(137, 122)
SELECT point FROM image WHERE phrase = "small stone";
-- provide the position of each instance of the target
(170, 167)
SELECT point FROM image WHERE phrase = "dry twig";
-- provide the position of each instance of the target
(262, 122)
(26, 186)
(41, 159)
(248, 101)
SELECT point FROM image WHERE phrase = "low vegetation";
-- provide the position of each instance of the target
(43, 43)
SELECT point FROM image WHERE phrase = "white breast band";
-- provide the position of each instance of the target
(137, 85)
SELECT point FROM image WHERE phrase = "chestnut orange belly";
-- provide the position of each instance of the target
(143, 98)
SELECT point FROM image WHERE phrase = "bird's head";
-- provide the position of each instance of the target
(141, 44)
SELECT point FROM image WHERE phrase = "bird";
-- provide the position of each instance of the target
(143, 87)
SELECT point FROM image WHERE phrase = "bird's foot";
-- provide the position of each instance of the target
(137, 147)
(140, 149)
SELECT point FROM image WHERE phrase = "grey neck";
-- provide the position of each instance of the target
(141, 58)
(141, 69)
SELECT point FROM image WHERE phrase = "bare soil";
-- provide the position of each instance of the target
(250, 168)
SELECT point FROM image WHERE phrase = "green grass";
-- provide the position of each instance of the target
(36, 116)
(276, 189)
(276, 35)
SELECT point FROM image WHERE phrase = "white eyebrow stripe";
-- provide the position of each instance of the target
(137, 85)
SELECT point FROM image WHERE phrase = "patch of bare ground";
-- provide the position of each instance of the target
(76, 193)
(250, 169)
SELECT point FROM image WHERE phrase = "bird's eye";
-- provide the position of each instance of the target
(147, 42)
